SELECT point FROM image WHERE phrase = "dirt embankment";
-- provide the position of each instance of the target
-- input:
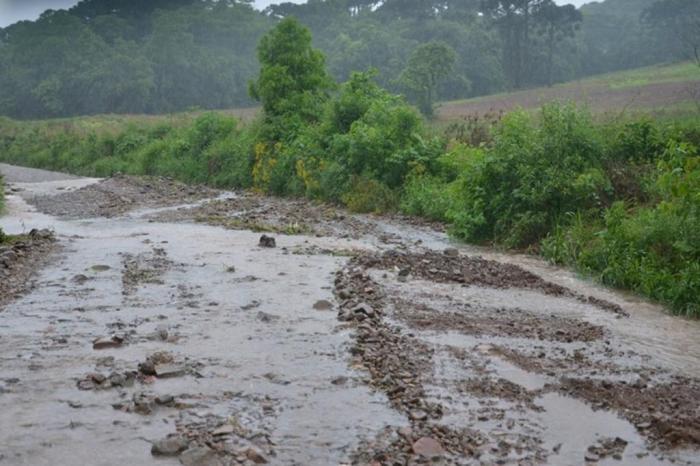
(120, 194)
(20, 257)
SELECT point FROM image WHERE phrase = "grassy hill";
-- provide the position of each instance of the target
(662, 90)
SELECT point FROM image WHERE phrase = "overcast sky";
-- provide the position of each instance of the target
(12, 11)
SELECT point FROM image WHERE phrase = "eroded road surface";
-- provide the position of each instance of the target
(159, 328)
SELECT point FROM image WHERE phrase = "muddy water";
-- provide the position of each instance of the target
(288, 357)
(241, 318)
(671, 341)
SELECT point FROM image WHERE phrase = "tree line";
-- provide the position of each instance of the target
(158, 56)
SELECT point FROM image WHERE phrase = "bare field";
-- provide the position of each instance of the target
(658, 90)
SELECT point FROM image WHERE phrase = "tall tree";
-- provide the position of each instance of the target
(428, 65)
(514, 17)
(680, 19)
(556, 23)
(293, 81)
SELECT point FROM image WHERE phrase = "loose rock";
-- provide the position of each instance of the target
(267, 242)
(169, 446)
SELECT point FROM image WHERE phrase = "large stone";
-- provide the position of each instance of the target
(255, 456)
(267, 242)
(451, 252)
(200, 456)
(163, 371)
(169, 446)
(428, 447)
(108, 342)
(224, 430)
(323, 305)
(363, 308)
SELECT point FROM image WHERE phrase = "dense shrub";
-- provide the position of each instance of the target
(365, 142)
(212, 150)
(617, 200)
(517, 191)
(654, 250)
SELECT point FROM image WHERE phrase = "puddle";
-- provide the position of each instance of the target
(140, 213)
(574, 426)
(290, 358)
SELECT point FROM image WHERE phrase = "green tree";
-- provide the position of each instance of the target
(556, 23)
(293, 82)
(428, 65)
(679, 21)
(514, 18)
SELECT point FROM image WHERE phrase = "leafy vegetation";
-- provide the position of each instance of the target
(161, 56)
(428, 65)
(617, 199)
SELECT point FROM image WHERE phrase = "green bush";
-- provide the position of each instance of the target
(428, 196)
(517, 191)
(211, 150)
(368, 195)
(653, 250)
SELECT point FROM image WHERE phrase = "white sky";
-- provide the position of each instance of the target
(12, 11)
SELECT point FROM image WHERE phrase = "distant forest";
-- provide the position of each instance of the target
(157, 56)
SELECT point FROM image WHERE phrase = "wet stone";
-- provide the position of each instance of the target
(255, 456)
(451, 252)
(364, 309)
(79, 279)
(165, 399)
(323, 305)
(169, 446)
(225, 429)
(265, 317)
(163, 371)
(342, 380)
(428, 447)
(267, 242)
(100, 268)
(200, 456)
(161, 332)
(147, 368)
(108, 342)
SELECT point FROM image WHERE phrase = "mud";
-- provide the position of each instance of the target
(163, 331)
(513, 323)
(451, 267)
(144, 268)
(249, 211)
(20, 257)
(118, 195)
(668, 413)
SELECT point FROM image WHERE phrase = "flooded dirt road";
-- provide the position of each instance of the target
(160, 329)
